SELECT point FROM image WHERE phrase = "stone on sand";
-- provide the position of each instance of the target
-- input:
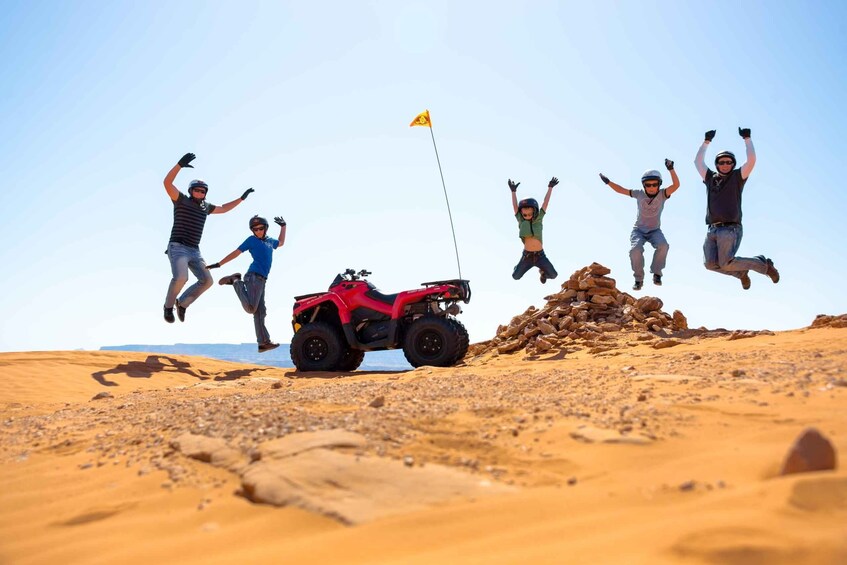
(811, 451)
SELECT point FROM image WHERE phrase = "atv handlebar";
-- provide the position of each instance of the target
(352, 275)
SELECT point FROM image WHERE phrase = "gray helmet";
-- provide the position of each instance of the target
(652, 174)
(729, 154)
(198, 183)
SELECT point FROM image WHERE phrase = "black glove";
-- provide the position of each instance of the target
(279, 221)
(247, 193)
(710, 135)
(213, 266)
(553, 182)
(744, 132)
(604, 178)
(514, 185)
(669, 164)
(186, 159)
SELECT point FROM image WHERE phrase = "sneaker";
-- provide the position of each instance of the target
(543, 277)
(637, 285)
(745, 281)
(657, 280)
(267, 346)
(169, 315)
(180, 311)
(230, 279)
(772, 272)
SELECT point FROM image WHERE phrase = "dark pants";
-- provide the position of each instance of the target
(530, 259)
(251, 293)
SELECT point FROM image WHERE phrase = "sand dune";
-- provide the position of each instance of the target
(627, 455)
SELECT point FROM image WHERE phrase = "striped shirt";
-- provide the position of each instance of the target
(189, 219)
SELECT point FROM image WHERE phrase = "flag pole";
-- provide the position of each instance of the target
(444, 186)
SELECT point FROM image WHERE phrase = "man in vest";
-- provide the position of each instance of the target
(190, 212)
(723, 213)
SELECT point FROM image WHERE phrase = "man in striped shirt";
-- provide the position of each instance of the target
(190, 213)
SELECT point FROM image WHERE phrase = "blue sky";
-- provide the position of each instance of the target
(310, 105)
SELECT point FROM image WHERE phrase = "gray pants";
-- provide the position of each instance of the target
(251, 293)
(182, 259)
(656, 238)
(719, 251)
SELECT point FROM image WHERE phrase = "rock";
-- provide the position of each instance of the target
(665, 343)
(408, 461)
(598, 269)
(102, 395)
(648, 304)
(542, 344)
(679, 321)
(810, 452)
(601, 299)
(510, 347)
(546, 327)
(212, 450)
(687, 486)
(377, 402)
(738, 373)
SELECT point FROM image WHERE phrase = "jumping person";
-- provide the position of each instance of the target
(190, 213)
(530, 219)
(251, 290)
(723, 213)
(648, 222)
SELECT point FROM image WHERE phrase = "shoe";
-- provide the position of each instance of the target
(772, 272)
(230, 279)
(745, 281)
(267, 346)
(169, 315)
(543, 277)
(637, 285)
(180, 311)
(657, 280)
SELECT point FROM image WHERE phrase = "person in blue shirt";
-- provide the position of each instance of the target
(251, 290)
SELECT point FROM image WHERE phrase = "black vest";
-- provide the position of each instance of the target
(723, 197)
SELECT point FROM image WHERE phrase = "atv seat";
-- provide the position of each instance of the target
(384, 298)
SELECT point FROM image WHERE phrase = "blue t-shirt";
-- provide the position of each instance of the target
(262, 251)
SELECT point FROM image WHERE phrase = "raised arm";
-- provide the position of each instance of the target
(553, 182)
(281, 223)
(225, 260)
(184, 162)
(675, 179)
(513, 186)
(700, 159)
(230, 205)
(615, 186)
(747, 167)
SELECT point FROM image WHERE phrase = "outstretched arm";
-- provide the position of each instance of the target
(674, 178)
(553, 182)
(747, 167)
(184, 162)
(230, 205)
(615, 186)
(225, 260)
(513, 186)
(281, 223)
(700, 159)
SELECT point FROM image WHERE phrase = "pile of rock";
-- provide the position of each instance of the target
(824, 321)
(588, 307)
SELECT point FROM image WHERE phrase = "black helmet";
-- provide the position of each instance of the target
(258, 221)
(197, 182)
(529, 203)
(729, 154)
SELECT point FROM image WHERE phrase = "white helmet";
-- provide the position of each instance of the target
(652, 174)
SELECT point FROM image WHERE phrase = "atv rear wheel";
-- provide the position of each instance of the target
(316, 347)
(351, 360)
(434, 341)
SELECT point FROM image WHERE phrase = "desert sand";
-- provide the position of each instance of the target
(629, 454)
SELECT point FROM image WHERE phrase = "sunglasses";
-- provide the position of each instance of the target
(258, 228)
(726, 162)
(201, 190)
(651, 185)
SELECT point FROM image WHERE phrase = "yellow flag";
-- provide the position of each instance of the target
(422, 120)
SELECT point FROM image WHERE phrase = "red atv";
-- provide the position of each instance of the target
(332, 330)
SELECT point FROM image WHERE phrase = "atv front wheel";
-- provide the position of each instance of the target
(351, 360)
(316, 347)
(434, 341)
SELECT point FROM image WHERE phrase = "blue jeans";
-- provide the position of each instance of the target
(656, 238)
(719, 251)
(530, 259)
(251, 293)
(182, 259)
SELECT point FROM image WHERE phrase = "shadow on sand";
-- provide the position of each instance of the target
(146, 369)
